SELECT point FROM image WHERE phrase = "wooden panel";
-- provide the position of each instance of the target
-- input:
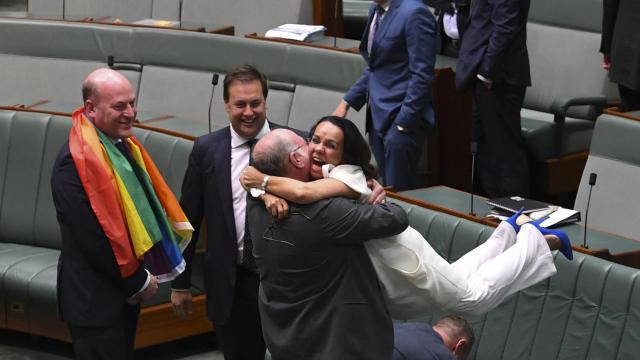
(158, 324)
(449, 148)
(329, 14)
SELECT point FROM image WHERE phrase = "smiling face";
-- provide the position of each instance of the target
(111, 106)
(326, 146)
(247, 107)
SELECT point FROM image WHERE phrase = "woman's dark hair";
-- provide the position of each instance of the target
(356, 149)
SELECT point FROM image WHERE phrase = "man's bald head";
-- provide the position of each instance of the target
(94, 81)
(109, 101)
(282, 153)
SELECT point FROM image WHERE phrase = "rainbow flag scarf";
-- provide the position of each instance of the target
(139, 226)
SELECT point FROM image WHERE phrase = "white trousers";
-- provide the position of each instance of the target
(416, 280)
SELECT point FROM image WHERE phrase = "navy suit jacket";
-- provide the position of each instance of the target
(494, 44)
(91, 291)
(418, 341)
(206, 193)
(397, 81)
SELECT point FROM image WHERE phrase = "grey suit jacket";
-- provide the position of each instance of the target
(319, 295)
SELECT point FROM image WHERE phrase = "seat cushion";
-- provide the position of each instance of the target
(539, 131)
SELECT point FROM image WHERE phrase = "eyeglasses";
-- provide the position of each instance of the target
(297, 148)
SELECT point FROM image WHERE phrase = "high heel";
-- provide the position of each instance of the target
(513, 220)
(565, 243)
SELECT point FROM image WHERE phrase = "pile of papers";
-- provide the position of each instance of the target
(533, 210)
(297, 32)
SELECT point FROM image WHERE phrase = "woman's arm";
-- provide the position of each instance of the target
(297, 191)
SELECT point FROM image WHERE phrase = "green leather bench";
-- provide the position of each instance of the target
(29, 233)
(589, 310)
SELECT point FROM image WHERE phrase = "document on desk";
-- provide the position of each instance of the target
(158, 23)
(561, 216)
(297, 32)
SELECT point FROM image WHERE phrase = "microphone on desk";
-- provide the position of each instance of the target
(592, 182)
(214, 82)
(474, 151)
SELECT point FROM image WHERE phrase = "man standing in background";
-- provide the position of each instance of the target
(398, 45)
(493, 62)
(211, 190)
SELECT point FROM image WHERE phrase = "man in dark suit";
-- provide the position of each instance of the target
(621, 48)
(494, 63)
(98, 302)
(319, 294)
(451, 338)
(211, 190)
(453, 17)
(398, 45)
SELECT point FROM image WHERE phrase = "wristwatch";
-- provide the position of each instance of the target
(402, 129)
(257, 192)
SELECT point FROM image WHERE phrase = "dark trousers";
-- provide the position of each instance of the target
(397, 154)
(241, 337)
(107, 342)
(503, 168)
(630, 98)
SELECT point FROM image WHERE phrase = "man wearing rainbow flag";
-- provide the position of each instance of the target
(114, 210)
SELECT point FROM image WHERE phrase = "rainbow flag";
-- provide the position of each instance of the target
(140, 225)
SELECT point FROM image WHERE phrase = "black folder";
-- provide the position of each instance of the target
(514, 203)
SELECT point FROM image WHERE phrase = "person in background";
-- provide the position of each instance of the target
(398, 45)
(451, 338)
(620, 46)
(211, 191)
(493, 64)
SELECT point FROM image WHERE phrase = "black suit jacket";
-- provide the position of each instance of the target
(319, 295)
(494, 44)
(206, 193)
(621, 39)
(91, 291)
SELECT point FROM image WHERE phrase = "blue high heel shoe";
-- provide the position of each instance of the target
(513, 220)
(565, 243)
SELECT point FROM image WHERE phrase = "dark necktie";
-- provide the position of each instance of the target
(374, 27)
(248, 262)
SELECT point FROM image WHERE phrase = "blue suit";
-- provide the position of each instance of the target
(418, 341)
(494, 45)
(397, 86)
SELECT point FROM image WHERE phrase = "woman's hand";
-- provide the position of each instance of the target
(251, 178)
(377, 192)
(277, 207)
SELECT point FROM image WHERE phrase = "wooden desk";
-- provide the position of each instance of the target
(194, 26)
(606, 245)
(632, 115)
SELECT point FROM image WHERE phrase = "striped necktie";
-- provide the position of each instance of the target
(374, 27)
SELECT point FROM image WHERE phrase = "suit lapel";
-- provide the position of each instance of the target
(365, 35)
(222, 161)
(387, 20)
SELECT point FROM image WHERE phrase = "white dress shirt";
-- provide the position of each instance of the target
(239, 161)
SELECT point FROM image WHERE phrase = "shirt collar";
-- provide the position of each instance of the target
(386, 6)
(237, 140)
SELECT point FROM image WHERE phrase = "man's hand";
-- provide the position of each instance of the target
(251, 178)
(342, 109)
(147, 293)
(277, 207)
(182, 302)
(606, 61)
(377, 192)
